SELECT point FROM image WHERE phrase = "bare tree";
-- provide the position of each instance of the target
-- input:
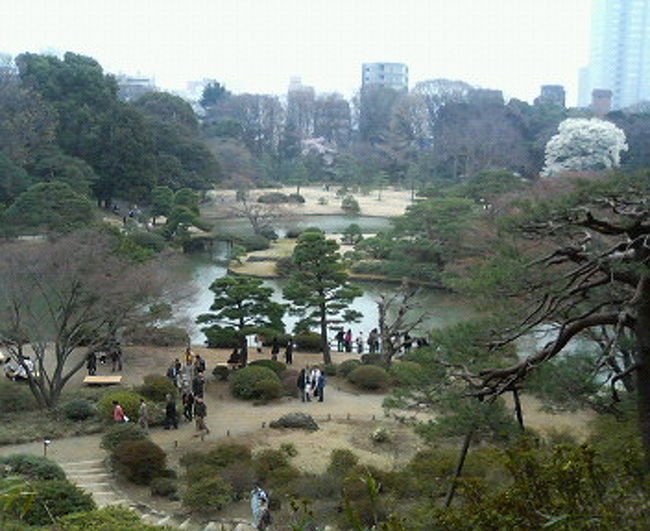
(259, 215)
(396, 319)
(60, 300)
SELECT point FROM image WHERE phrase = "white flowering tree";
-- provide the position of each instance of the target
(584, 144)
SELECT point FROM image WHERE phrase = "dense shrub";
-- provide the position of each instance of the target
(221, 372)
(157, 336)
(244, 382)
(139, 461)
(269, 389)
(272, 467)
(119, 433)
(268, 334)
(405, 372)
(342, 461)
(148, 239)
(371, 359)
(331, 369)
(308, 342)
(220, 456)
(276, 366)
(273, 197)
(219, 337)
(129, 401)
(285, 266)
(31, 467)
(240, 476)
(208, 495)
(15, 397)
(253, 242)
(350, 205)
(296, 198)
(347, 366)
(369, 377)
(56, 498)
(293, 233)
(268, 233)
(110, 518)
(78, 409)
(163, 487)
(156, 387)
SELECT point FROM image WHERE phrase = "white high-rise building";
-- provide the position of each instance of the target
(620, 52)
(391, 75)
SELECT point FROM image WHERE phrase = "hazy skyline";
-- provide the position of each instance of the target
(257, 45)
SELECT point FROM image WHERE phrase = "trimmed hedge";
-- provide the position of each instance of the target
(245, 381)
(31, 467)
(208, 494)
(129, 401)
(119, 433)
(54, 498)
(156, 387)
(110, 518)
(139, 461)
(78, 409)
(347, 366)
(369, 377)
(15, 397)
(163, 487)
(308, 342)
(276, 366)
(157, 336)
(219, 337)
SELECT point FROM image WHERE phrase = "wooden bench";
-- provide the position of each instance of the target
(103, 380)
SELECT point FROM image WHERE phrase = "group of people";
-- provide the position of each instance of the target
(345, 341)
(311, 383)
(19, 372)
(112, 352)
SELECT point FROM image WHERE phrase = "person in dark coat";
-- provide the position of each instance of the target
(300, 384)
(198, 385)
(288, 353)
(200, 412)
(275, 348)
(171, 418)
(188, 406)
(91, 364)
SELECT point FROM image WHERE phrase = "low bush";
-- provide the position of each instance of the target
(289, 449)
(244, 382)
(405, 372)
(31, 467)
(150, 240)
(273, 197)
(163, 487)
(296, 198)
(240, 476)
(292, 234)
(156, 387)
(110, 518)
(157, 336)
(269, 233)
(208, 495)
(119, 433)
(253, 242)
(350, 205)
(369, 377)
(14, 396)
(272, 467)
(220, 456)
(347, 366)
(308, 342)
(219, 337)
(55, 498)
(78, 409)
(276, 366)
(268, 334)
(139, 461)
(269, 389)
(221, 373)
(331, 369)
(129, 401)
(342, 461)
(372, 359)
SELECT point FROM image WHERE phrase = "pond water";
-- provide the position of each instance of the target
(201, 269)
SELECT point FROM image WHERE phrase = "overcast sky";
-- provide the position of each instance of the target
(256, 45)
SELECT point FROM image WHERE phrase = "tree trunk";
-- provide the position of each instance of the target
(518, 411)
(642, 331)
(459, 467)
(327, 358)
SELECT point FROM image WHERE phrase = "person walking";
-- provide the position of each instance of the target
(275, 348)
(288, 352)
(188, 406)
(200, 412)
(143, 416)
(91, 364)
(198, 385)
(340, 340)
(301, 384)
(321, 385)
(373, 341)
(348, 340)
(199, 364)
(260, 507)
(118, 413)
(171, 418)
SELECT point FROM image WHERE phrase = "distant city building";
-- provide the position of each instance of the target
(601, 101)
(300, 108)
(391, 75)
(132, 87)
(620, 52)
(551, 94)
